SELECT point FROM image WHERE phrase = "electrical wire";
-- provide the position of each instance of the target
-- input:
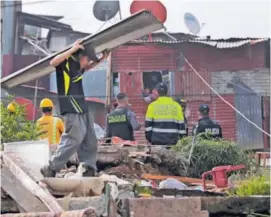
(225, 101)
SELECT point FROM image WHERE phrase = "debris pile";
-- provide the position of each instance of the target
(126, 174)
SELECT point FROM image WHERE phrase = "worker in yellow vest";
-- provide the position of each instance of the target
(49, 126)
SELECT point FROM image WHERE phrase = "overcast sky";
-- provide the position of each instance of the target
(223, 18)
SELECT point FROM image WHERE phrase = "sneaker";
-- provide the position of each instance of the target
(46, 171)
(89, 172)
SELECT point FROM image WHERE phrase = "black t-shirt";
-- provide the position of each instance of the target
(70, 88)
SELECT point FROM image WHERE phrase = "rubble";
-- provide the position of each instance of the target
(114, 190)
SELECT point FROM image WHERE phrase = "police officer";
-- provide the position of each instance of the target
(164, 120)
(122, 121)
(207, 125)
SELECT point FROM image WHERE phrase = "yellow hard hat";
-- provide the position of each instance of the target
(46, 103)
(11, 107)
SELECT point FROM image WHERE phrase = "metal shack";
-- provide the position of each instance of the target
(237, 68)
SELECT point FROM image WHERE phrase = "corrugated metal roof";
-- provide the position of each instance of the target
(214, 43)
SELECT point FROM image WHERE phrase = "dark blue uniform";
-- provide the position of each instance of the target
(209, 126)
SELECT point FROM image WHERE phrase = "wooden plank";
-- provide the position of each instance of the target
(19, 193)
(182, 179)
(31, 185)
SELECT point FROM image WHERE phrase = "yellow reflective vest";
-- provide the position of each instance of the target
(164, 122)
(50, 127)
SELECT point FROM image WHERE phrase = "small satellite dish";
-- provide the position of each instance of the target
(105, 10)
(155, 7)
(192, 23)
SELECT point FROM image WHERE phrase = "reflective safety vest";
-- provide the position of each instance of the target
(118, 125)
(164, 122)
(50, 127)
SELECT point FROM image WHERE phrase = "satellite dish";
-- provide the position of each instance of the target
(105, 10)
(192, 23)
(155, 7)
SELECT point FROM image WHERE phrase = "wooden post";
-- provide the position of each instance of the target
(108, 83)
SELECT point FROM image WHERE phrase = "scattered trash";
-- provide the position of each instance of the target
(172, 184)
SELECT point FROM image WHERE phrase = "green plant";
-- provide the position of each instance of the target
(14, 127)
(208, 154)
(253, 185)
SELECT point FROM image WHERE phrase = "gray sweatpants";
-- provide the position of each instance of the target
(79, 136)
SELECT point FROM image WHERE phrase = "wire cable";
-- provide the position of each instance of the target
(225, 101)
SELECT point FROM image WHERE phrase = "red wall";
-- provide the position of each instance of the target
(12, 63)
(205, 59)
(138, 59)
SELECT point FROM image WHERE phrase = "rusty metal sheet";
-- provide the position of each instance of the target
(90, 212)
(135, 26)
(182, 179)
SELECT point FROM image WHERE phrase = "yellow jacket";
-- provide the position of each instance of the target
(164, 122)
(50, 127)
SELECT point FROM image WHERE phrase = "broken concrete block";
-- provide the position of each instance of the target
(168, 207)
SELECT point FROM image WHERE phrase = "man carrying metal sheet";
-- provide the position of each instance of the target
(79, 135)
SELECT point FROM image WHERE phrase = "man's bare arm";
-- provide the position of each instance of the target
(60, 58)
(65, 55)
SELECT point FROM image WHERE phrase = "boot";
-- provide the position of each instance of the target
(46, 171)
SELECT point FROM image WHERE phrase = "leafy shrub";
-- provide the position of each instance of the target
(15, 127)
(253, 185)
(208, 154)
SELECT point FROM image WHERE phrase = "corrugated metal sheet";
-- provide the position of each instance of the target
(12, 63)
(258, 80)
(219, 111)
(248, 136)
(143, 58)
(191, 86)
(21, 61)
(213, 43)
(266, 121)
(225, 115)
(135, 26)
